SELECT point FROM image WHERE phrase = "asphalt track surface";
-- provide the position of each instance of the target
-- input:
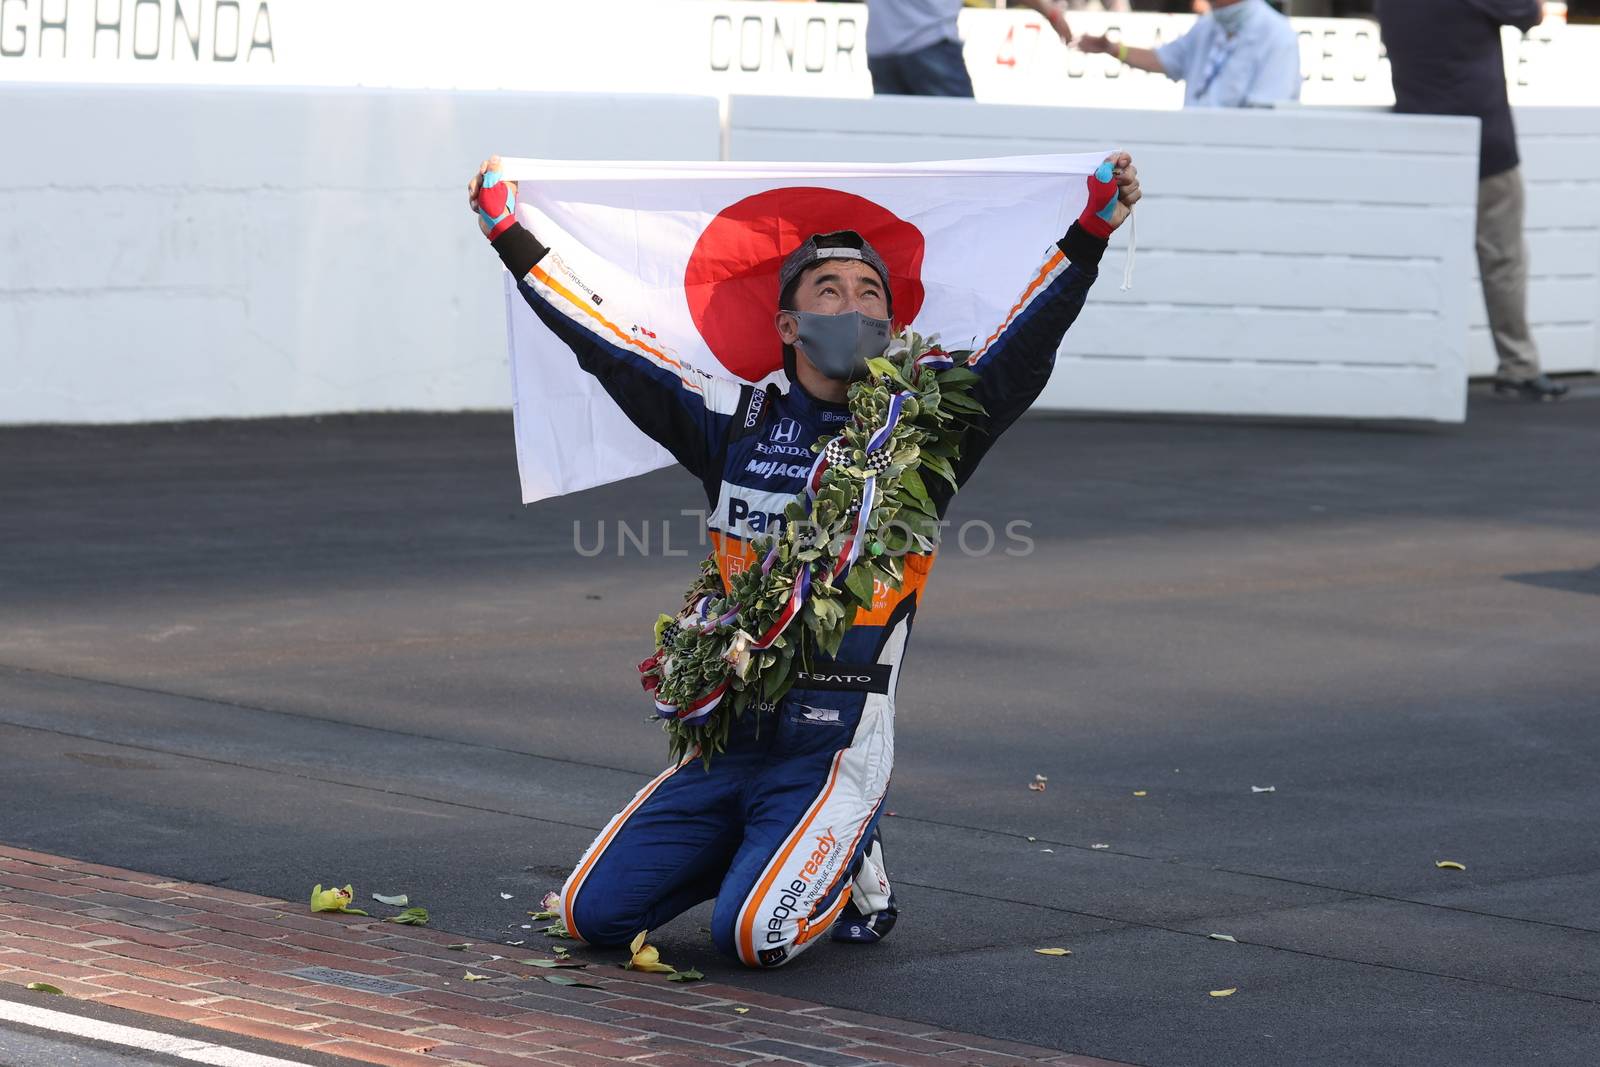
(268, 654)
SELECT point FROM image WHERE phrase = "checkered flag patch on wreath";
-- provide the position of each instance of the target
(838, 454)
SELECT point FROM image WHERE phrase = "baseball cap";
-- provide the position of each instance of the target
(840, 244)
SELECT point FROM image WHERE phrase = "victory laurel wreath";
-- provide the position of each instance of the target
(865, 506)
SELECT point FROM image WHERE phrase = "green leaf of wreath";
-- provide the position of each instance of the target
(861, 584)
(958, 376)
(940, 466)
(913, 484)
(960, 403)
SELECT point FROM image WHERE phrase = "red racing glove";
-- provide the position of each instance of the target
(1096, 217)
(497, 204)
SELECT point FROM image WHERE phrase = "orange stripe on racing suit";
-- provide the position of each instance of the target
(735, 556)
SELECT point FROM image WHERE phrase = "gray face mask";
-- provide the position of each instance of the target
(840, 345)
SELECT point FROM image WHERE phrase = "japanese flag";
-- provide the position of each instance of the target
(687, 255)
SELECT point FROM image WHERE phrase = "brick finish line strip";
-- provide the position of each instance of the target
(183, 1048)
(227, 960)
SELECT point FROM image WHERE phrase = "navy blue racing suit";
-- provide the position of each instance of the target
(776, 831)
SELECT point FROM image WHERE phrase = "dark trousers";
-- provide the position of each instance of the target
(937, 70)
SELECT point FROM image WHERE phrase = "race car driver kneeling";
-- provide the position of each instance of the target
(781, 828)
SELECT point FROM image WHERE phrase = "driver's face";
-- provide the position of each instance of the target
(838, 286)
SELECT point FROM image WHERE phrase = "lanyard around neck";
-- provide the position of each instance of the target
(1219, 59)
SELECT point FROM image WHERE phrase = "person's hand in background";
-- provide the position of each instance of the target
(1137, 58)
(1054, 12)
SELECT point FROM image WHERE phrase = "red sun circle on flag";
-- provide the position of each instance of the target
(731, 280)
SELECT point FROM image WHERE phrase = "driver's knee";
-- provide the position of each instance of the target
(738, 937)
(758, 936)
(599, 918)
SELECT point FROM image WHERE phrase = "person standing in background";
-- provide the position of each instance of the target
(1242, 54)
(914, 49)
(1445, 58)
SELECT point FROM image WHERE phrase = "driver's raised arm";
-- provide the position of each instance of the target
(682, 409)
(1014, 363)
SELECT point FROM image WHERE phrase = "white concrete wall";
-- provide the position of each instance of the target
(1560, 149)
(174, 253)
(199, 253)
(1288, 262)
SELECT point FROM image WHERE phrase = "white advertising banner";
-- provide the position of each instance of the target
(674, 266)
(713, 47)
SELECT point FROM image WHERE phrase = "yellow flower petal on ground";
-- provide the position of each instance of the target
(1141, 792)
(469, 976)
(1053, 951)
(334, 899)
(329, 899)
(649, 959)
(1450, 865)
(646, 957)
(741, 1011)
(1224, 992)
